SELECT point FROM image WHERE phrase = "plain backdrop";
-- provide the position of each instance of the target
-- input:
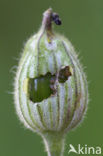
(82, 23)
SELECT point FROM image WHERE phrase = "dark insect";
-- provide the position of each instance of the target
(56, 19)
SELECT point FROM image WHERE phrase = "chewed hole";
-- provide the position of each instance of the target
(64, 74)
(41, 88)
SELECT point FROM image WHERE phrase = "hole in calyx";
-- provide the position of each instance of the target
(64, 74)
(41, 88)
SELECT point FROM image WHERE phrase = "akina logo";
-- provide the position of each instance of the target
(85, 150)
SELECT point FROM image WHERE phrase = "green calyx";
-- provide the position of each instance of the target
(51, 93)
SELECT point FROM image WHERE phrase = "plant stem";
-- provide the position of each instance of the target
(54, 143)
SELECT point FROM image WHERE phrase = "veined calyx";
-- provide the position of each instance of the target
(51, 93)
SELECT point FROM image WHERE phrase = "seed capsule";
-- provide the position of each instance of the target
(50, 88)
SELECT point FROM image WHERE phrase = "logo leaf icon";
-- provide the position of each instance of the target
(72, 149)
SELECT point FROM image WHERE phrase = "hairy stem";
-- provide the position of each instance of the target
(54, 143)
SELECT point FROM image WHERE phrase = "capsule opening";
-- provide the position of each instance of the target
(44, 86)
(41, 88)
